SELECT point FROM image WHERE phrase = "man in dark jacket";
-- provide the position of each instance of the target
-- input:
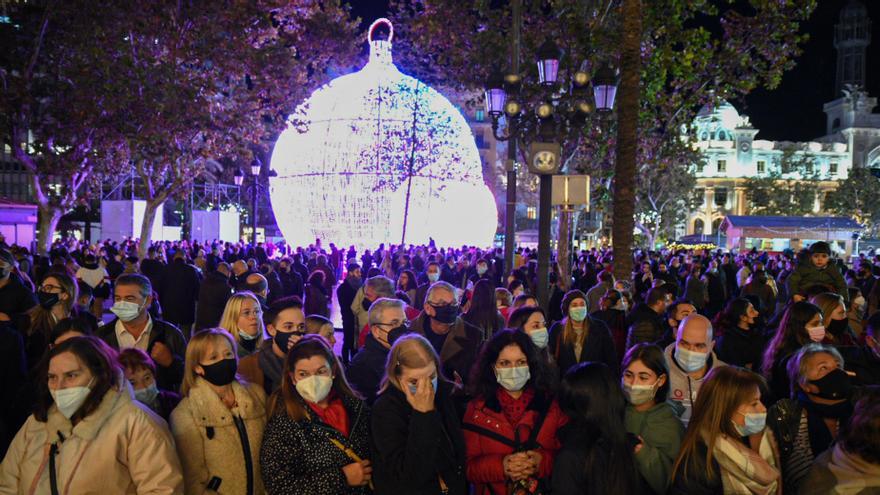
(15, 297)
(153, 268)
(213, 294)
(179, 292)
(645, 323)
(134, 327)
(345, 294)
(368, 365)
(291, 281)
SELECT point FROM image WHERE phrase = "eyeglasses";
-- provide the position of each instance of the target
(50, 287)
(392, 324)
(252, 312)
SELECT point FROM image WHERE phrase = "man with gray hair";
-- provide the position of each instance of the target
(456, 341)
(387, 321)
(134, 327)
(373, 289)
(689, 359)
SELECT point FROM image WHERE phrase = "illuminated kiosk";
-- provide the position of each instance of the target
(377, 156)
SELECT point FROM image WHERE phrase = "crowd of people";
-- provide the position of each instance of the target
(217, 370)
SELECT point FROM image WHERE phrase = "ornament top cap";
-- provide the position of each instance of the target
(380, 50)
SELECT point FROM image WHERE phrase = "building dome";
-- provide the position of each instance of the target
(377, 153)
(716, 121)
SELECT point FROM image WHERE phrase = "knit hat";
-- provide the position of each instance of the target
(820, 247)
(571, 296)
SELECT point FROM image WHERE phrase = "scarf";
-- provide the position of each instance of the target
(745, 471)
(852, 473)
(514, 409)
(334, 415)
(820, 435)
(271, 365)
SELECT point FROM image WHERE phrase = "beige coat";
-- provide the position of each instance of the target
(202, 414)
(121, 448)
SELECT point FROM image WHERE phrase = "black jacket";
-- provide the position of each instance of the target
(863, 362)
(412, 450)
(598, 346)
(179, 291)
(291, 283)
(459, 351)
(167, 378)
(213, 294)
(297, 457)
(153, 270)
(16, 298)
(366, 369)
(644, 325)
(13, 375)
(741, 347)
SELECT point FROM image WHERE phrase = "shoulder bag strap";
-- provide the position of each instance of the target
(53, 477)
(489, 434)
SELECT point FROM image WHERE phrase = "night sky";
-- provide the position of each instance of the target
(793, 111)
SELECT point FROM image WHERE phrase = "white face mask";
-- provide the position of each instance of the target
(246, 336)
(314, 388)
(540, 337)
(70, 399)
(690, 361)
(639, 394)
(125, 310)
(513, 379)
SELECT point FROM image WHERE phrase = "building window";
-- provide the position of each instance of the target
(531, 213)
(832, 169)
(700, 196)
(698, 226)
(700, 168)
(480, 115)
(722, 166)
(762, 166)
(809, 167)
(720, 197)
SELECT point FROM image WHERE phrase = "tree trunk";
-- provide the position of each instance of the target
(48, 221)
(627, 115)
(150, 210)
(563, 248)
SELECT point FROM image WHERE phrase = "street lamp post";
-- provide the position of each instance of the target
(255, 188)
(559, 116)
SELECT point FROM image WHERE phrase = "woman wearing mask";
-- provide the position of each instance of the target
(407, 283)
(740, 341)
(800, 325)
(317, 441)
(482, 312)
(579, 338)
(510, 426)
(243, 319)
(649, 417)
(219, 423)
(140, 371)
(597, 451)
(807, 424)
(87, 432)
(727, 447)
(836, 321)
(612, 311)
(414, 420)
(532, 321)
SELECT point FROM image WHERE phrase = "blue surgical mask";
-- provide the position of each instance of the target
(126, 310)
(578, 314)
(413, 388)
(690, 361)
(247, 336)
(513, 379)
(433, 277)
(147, 395)
(481, 269)
(540, 337)
(755, 423)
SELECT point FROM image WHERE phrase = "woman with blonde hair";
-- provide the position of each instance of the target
(418, 445)
(836, 321)
(317, 441)
(579, 338)
(243, 319)
(218, 425)
(728, 447)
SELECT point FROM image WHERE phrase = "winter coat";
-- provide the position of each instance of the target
(120, 448)
(807, 275)
(213, 440)
(179, 292)
(485, 454)
(413, 450)
(742, 347)
(598, 346)
(838, 472)
(167, 378)
(345, 296)
(16, 298)
(683, 389)
(298, 458)
(695, 291)
(644, 325)
(367, 368)
(697, 482)
(459, 351)
(213, 294)
(253, 368)
(661, 432)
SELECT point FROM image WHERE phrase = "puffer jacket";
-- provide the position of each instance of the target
(120, 448)
(213, 440)
(484, 454)
(298, 458)
(683, 389)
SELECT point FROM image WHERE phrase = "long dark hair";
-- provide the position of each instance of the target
(411, 282)
(791, 335)
(521, 315)
(483, 382)
(95, 355)
(482, 312)
(286, 400)
(590, 395)
(728, 318)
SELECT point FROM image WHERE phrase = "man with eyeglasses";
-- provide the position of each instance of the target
(387, 321)
(286, 324)
(456, 341)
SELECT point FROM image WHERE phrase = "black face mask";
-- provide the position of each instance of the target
(837, 327)
(220, 373)
(281, 339)
(835, 385)
(366, 303)
(47, 299)
(446, 314)
(396, 333)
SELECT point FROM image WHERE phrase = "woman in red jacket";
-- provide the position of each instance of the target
(510, 426)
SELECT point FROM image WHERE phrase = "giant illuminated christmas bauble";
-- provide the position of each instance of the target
(377, 152)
